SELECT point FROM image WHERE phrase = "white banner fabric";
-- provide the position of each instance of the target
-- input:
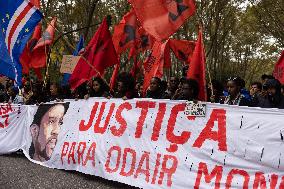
(152, 143)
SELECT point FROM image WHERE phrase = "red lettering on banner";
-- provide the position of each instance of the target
(91, 155)
(156, 171)
(5, 109)
(81, 152)
(282, 183)
(158, 122)
(145, 158)
(207, 133)
(216, 172)
(98, 121)
(273, 181)
(6, 122)
(132, 164)
(259, 181)
(71, 153)
(129, 157)
(144, 105)
(237, 172)
(168, 170)
(64, 150)
(107, 165)
(84, 127)
(185, 135)
(119, 132)
(97, 127)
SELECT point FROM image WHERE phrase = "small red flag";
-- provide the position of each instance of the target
(99, 54)
(162, 18)
(279, 69)
(182, 48)
(197, 67)
(41, 49)
(27, 54)
(154, 64)
(125, 32)
(114, 76)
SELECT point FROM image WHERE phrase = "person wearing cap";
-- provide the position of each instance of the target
(273, 98)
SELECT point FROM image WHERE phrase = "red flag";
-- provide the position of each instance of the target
(144, 40)
(114, 76)
(197, 67)
(26, 56)
(182, 48)
(162, 18)
(125, 32)
(99, 54)
(135, 68)
(42, 47)
(166, 57)
(279, 69)
(154, 64)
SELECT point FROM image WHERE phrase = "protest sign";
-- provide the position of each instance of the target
(69, 63)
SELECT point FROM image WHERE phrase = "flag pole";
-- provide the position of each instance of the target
(47, 66)
(68, 43)
(200, 27)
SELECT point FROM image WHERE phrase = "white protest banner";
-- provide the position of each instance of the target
(153, 144)
(69, 63)
(12, 127)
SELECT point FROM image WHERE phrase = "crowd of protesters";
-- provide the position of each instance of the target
(266, 93)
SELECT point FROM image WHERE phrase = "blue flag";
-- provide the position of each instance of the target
(80, 45)
(18, 18)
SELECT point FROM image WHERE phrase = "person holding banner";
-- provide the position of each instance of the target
(234, 86)
(273, 98)
(189, 90)
(45, 129)
(98, 88)
(155, 89)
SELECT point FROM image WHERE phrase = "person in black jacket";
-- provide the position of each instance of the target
(155, 89)
(273, 98)
(189, 90)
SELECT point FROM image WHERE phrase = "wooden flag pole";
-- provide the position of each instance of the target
(81, 55)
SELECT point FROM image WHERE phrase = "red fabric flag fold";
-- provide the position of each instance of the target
(197, 67)
(114, 76)
(99, 54)
(41, 49)
(26, 55)
(162, 18)
(182, 49)
(154, 64)
(125, 32)
(278, 72)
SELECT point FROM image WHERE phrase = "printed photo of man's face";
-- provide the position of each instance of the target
(45, 129)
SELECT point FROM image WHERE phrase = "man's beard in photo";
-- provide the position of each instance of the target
(43, 153)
